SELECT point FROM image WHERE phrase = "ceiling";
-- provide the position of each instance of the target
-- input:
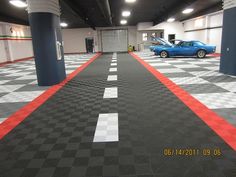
(104, 13)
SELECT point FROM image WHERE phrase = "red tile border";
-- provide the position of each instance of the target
(218, 124)
(214, 55)
(15, 119)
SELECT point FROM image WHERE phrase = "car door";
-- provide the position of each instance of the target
(186, 49)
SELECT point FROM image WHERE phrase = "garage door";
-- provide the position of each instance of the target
(114, 40)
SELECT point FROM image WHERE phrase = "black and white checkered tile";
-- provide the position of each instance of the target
(202, 79)
(57, 139)
(107, 129)
(18, 83)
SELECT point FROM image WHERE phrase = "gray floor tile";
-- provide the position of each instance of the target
(202, 88)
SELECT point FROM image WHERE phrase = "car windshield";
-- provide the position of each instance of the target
(199, 43)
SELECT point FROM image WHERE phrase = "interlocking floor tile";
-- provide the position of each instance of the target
(217, 79)
(14, 97)
(217, 100)
(171, 70)
(228, 113)
(112, 78)
(21, 77)
(7, 109)
(113, 70)
(57, 139)
(202, 88)
(111, 92)
(188, 80)
(107, 128)
(9, 88)
(230, 86)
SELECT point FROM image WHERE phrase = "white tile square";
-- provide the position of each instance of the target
(109, 132)
(205, 73)
(111, 92)
(113, 64)
(14, 97)
(113, 70)
(18, 74)
(160, 64)
(187, 66)
(112, 78)
(2, 119)
(9, 88)
(230, 86)
(27, 77)
(188, 80)
(3, 82)
(214, 68)
(217, 100)
(171, 70)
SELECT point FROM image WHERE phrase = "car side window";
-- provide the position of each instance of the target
(186, 44)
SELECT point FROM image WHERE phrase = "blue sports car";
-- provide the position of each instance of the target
(183, 48)
(157, 42)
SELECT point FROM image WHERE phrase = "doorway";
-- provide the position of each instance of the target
(171, 38)
(89, 45)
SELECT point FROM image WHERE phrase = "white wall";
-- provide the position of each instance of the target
(15, 42)
(207, 29)
(144, 25)
(74, 39)
(3, 56)
(170, 28)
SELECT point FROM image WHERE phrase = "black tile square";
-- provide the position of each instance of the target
(127, 170)
(94, 171)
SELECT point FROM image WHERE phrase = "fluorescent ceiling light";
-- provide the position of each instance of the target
(123, 22)
(126, 13)
(63, 24)
(18, 3)
(171, 20)
(130, 1)
(187, 11)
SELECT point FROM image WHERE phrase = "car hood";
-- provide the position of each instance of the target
(164, 42)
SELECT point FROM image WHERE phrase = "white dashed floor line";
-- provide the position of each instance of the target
(113, 64)
(111, 92)
(107, 128)
(112, 78)
(113, 70)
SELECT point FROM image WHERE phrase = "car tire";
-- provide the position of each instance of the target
(201, 54)
(164, 54)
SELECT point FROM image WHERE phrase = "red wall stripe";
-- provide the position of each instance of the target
(16, 39)
(218, 124)
(16, 118)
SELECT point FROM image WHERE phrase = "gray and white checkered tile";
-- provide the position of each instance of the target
(202, 79)
(18, 83)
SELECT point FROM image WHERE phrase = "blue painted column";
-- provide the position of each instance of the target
(228, 58)
(44, 18)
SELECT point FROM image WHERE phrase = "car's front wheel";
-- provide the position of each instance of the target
(164, 54)
(201, 54)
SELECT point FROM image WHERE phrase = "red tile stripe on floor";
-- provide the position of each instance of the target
(16, 118)
(218, 124)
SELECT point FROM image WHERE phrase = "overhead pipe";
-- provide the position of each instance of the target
(104, 7)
